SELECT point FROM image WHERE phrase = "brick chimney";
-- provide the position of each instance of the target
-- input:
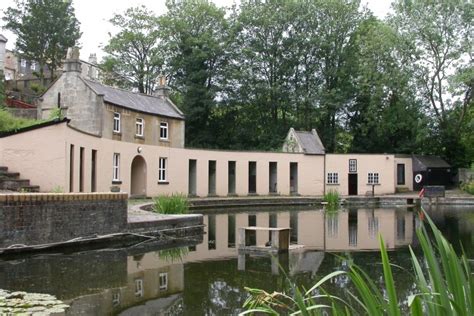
(162, 90)
(72, 62)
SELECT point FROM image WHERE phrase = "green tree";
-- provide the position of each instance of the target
(45, 30)
(134, 55)
(438, 41)
(384, 115)
(195, 40)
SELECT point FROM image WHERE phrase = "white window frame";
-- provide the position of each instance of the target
(373, 178)
(352, 165)
(23, 63)
(139, 126)
(164, 128)
(33, 65)
(163, 281)
(162, 167)
(116, 167)
(139, 287)
(332, 178)
(117, 122)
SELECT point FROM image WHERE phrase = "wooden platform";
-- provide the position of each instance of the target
(279, 241)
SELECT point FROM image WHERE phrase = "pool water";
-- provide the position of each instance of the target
(208, 276)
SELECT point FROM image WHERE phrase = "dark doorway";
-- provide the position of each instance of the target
(400, 173)
(231, 178)
(352, 183)
(81, 169)
(293, 178)
(212, 178)
(252, 177)
(272, 172)
(94, 171)
(192, 177)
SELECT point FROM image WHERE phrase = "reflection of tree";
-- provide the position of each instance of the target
(218, 288)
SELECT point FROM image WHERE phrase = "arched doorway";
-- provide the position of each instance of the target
(138, 177)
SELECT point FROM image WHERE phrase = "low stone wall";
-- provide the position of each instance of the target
(32, 219)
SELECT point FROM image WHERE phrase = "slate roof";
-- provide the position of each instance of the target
(310, 142)
(422, 163)
(136, 101)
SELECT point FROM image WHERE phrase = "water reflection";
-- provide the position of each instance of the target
(208, 276)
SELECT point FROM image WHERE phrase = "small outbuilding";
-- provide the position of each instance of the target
(431, 170)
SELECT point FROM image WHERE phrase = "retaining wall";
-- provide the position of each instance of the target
(32, 219)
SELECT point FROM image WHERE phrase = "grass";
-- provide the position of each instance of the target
(8, 122)
(332, 199)
(443, 285)
(171, 204)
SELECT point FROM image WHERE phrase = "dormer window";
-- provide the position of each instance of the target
(23, 63)
(164, 130)
(116, 122)
(139, 126)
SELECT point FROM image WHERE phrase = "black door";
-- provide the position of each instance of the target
(352, 183)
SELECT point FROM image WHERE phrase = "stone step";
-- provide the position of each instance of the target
(13, 184)
(9, 175)
(30, 188)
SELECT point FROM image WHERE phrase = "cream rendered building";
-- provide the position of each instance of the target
(112, 138)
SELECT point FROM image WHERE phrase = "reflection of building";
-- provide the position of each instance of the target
(153, 285)
(316, 230)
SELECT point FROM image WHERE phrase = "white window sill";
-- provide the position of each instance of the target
(374, 184)
(332, 183)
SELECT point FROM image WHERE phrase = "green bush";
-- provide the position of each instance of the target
(444, 285)
(468, 187)
(171, 204)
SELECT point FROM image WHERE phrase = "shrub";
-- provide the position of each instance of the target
(468, 187)
(171, 204)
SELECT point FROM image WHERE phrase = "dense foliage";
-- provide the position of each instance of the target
(245, 75)
(44, 29)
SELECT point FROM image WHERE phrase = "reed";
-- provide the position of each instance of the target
(171, 204)
(443, 286)
(332, 199)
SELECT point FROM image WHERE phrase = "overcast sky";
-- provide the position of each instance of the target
(94, 14)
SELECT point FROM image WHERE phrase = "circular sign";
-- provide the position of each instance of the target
(418, 178)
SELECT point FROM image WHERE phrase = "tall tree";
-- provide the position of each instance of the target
(134, 55)
(384, 115)
(438, 36)
(45, 30)
(195, 39)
